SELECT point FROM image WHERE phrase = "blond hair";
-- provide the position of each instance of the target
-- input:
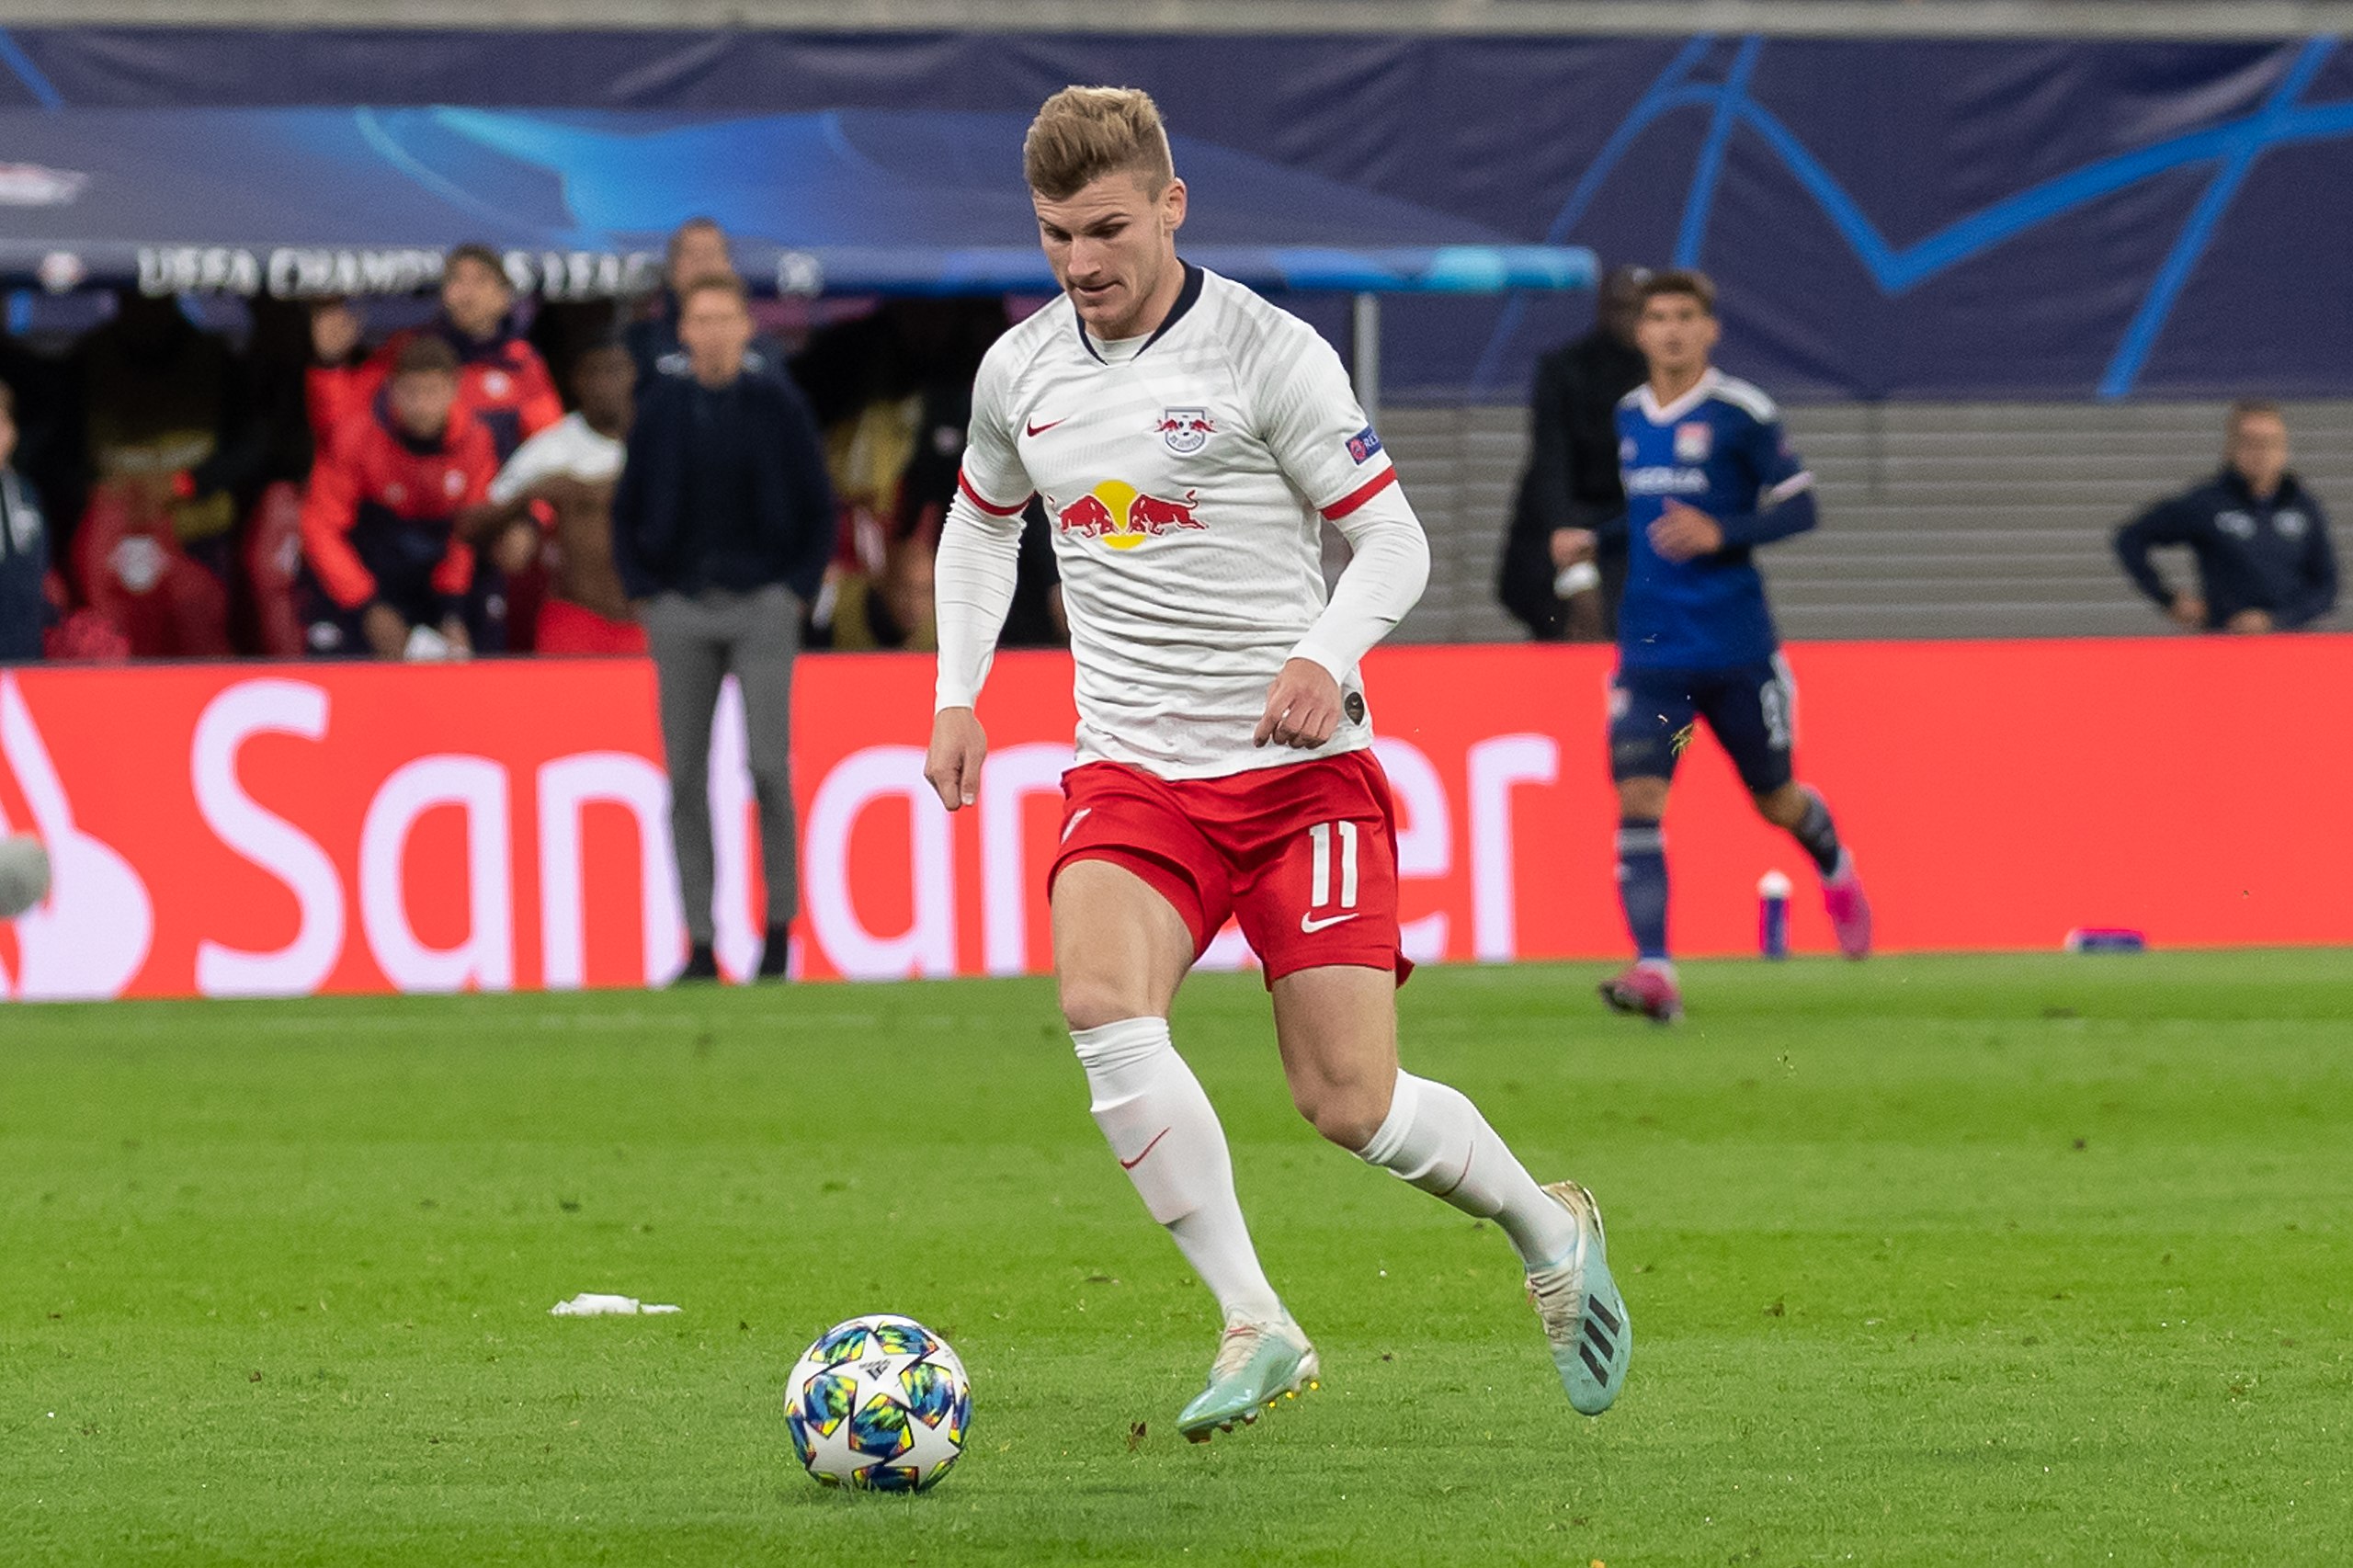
(1084, 133)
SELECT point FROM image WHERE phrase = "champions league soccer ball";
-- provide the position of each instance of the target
(880, 1402)
(24, 875)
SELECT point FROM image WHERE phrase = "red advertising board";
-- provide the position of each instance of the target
(286, 829)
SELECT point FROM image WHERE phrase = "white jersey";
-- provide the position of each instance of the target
(570, 447)
(1186, 478)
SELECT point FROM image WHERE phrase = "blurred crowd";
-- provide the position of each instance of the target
(395, 478)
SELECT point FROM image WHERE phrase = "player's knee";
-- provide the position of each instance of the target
(1782, 805)
(1091, 1001)
(1642, 797)
(1347, 1114)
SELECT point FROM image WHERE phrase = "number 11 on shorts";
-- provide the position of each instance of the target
(1320, 836)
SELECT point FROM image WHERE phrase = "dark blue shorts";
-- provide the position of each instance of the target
(1751, 709)
(334, 632)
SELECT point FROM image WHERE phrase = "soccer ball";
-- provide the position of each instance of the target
(24, 875)
(879, 1402)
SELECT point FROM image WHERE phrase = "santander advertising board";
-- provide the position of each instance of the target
(289, 830)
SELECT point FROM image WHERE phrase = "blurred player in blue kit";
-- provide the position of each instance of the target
(1709, 477)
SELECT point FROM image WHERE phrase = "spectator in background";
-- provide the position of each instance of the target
(388, 573)
(169, 422)
(571, 468)
(1571, 485)
(343, 372)
(24, 550)
(891, 391)
(697, 249)
(502, 384)
(501, 381)
(722, 528)
(1035, 619)
(48, 453)
(2265, 562)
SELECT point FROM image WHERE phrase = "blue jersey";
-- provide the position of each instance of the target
(1718, 448)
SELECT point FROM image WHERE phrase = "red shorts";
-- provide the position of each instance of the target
(1304, 857)
(567, 628)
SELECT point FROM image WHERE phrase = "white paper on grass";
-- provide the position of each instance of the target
(592, 1305)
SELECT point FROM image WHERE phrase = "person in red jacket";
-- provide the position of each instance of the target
(501, 381)
(503, 385)
(387, 573)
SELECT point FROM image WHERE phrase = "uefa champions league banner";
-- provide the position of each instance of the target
(285, 830)
(1889, 217)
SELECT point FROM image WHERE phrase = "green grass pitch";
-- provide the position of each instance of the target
(1931, 1260)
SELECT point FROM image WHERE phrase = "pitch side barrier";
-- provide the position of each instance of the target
(288, 829)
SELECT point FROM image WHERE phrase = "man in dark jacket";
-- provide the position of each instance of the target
(697, 249)
(2264, 559)
(1571, 483)
(24, 550)
(722, 528)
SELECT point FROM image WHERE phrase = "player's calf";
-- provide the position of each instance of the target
(1800, 810)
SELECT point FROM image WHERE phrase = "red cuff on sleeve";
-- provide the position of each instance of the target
(1361, 494)
(983, 503)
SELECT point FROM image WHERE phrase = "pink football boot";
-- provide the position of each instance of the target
(1647, 989)
(1851, 912)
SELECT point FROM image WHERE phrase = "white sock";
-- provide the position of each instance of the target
(1436, 1138)
(1160, 1124)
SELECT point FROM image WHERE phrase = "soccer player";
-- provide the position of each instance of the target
(1188, 439)
(571, 466)
(1709, 477)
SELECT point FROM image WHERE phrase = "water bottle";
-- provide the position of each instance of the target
(2105, 940)
(1773, 916)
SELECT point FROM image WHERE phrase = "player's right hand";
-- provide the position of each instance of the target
(959, 746)
(2188, 610)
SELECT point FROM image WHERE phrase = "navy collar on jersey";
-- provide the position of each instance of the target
(1186, 298)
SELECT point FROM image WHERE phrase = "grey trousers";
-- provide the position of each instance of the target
(696, 642)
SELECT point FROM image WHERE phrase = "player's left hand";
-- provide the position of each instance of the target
(1302, 707)
(2250, 622)
(1684, 532)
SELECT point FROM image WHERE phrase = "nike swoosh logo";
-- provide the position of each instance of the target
(1041, 429)
(1077, 817)
(1309, 924)
(1130, 1164)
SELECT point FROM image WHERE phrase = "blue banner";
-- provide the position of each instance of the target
(304, 203)
(1887, 218)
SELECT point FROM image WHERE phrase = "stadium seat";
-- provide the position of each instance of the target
(131, 569)
(78, 635)
(273, 561)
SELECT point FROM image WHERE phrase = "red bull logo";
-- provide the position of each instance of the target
(1123, 516)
